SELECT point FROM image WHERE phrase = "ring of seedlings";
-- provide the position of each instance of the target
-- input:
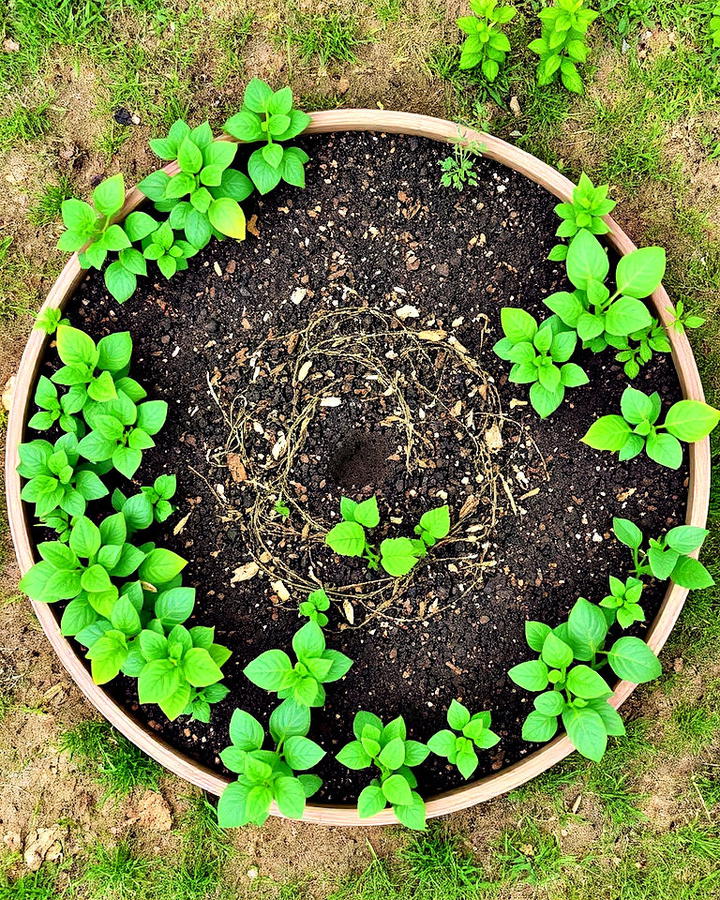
(124, 597)
(385, 356)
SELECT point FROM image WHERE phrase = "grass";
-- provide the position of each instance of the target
(24, 124)
(436, 866)
(110, 759)
(38, 885)
(116, 873)
(525, 853)
(323, 37)
(18, 275)
(46, 208)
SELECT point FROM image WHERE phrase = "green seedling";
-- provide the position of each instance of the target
(468, 732)
(56, 484)
(90, 226)
(48, 320)
(563, 43)
(204, 197)
(682, 319)
(269, 775)
(602, 318)
(303, 681)
(569, 686)
(397, 556)
(269, 116)
(169, 253)
(667, 556)
(458, 170)
(485, 44)
(315, 606)
(540, 357)
(586, 210)
(281, 508)
(624, 601)
(637, 428)
(152, 504)
(386, 747)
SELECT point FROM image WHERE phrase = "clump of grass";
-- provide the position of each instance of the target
(18, 275)
(110, 759)
(374, 883)
(231, 37)
(693, 726)
(48, 202)
(530, 855)
(38, 885)
(115, 873)
(24, 124)
(435, 866)
(327, 37)
(387, 10)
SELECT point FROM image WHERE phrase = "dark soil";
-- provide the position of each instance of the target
(374, 231)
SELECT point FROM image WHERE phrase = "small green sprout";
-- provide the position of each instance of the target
(468, 732)
(315, 606)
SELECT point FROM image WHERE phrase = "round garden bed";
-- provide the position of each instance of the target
(345, 349)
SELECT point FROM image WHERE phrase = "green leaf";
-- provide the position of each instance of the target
(545, 401)
(692, 574)
(273, 154)
(685, 538)
(631, 658)
(539, 727)
(691, 420)
(347, 539)
(535, 634)
(245, 731)
(270, 670)
(587, 629)
(258, 96)
(665, 450)
(412, 815)
(627, 533)
(437, 522)
(120, 282)
(354, 756)
(586, 260)
(442, 743)
(79, 217)
(586, 731)
(392, 754)
(626, 316)
(397, 790)
(107, 654)
(227, 217)
(161, 566)
(199, 668)
(371, 801)
(245, 126)
(639, 273)
(531, 675)
(517, 324)
(85, 537)
(572, 375)
(551, 703)
(264, 176)
(397, 555)
(151, 415)
(366, 513)
(114, 351)
(139, 225)
(75, 348)
(556, 653)
(109, 195)
(458, 715)
(289, 719)
(308, 641)
(341, 665)
(607, 433)
(302, 753)
(190, 158)
(290, 797)
(582, 681)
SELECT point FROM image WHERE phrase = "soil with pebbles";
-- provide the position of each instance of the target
(375, 232)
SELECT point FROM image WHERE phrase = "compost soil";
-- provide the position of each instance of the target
(345, 349)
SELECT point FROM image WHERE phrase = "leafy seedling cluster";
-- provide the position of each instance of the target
(637, 428)
(540, 355)
(562, 44)
(269, 116)
(486, 44)
(199, 201)
(624, 601)
(467, 734)
(397, 556)
(267, 776)
(668, 556)
(386, 748)
(124, 599)
(570, 688)
(586, 211)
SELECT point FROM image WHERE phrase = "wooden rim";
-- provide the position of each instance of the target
(459, 798)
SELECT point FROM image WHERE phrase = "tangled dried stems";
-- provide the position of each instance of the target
(392, 357)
